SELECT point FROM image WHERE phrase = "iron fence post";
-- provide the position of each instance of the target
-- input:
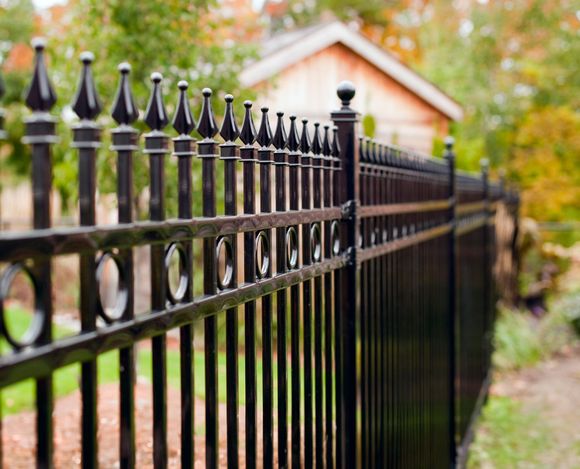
(346, 120)
(453, 329)
(487, 265)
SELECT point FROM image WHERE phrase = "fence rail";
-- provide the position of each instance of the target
(363, 274)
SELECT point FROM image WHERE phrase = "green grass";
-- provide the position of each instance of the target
(20, 396)
(507, 436)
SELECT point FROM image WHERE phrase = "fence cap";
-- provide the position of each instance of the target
(346, 91)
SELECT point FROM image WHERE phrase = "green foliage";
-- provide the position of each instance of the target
(545, 163)
(512, 65)
(369, 125)
(182, 39)
(521, 340)
(507, 436)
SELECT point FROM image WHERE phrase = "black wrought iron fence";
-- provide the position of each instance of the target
(382, 293)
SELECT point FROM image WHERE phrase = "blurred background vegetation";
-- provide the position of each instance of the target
(512, 64)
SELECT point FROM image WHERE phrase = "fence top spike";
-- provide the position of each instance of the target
(293, 137)
(248, 132)
(363, 149)
(484, 165)
(449, 142)
(326, 150)
(207, 126)
(40, 95)
(229, 130)
(345, 91)
(335, 144)
(86, 104)
(305, 137)
(265, 132)
(156, 115)
(183, 121)
(280, 137)
(124, 108)
(316, 140)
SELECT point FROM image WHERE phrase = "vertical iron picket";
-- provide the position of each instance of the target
(124, 138)
(207, 128)
(183, 149)
(40, 133)
(248, 155)
(87, 139)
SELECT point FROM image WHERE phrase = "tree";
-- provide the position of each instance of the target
(182, 39)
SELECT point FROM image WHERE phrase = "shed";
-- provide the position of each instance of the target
(298, 71)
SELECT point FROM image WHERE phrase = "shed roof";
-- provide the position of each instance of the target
(284, 50)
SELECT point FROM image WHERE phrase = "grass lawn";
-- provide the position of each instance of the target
(20, 396)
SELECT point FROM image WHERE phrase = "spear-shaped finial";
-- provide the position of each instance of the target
(293, 137)
(316, 141)
(326, 150)
(207, 126)
(335, 144)
(248, 132)
(373, 151)
(124, 108)
(363, 146)
(484, 166)
(183, 121)
(229, 130)
(86, 104)
(305, 137)
(156, 115)
(280, 136)
(265, 132)
(40, 95)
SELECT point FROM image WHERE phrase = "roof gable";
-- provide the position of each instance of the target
(286, 52)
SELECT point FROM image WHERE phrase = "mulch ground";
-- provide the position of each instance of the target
(19, 438)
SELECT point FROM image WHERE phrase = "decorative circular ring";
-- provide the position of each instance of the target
(262, 249)
(122, 293)
(38, 319)
(224, 244)
(291, 248)
(335, 238)
(315, 242)
(177, 296)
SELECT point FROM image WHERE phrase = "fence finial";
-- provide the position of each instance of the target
(305, 137)
(124, 108)
(484, 165)
(156, 115)
(326, 150)
(248, 132)
(345, 92)
(86, 103)
(280, 136)
(335, 143)
(229, 130)
(40, 95)
(293, 137)
(449, 143)
(207, 126)
(316, 141)
(183, 121)
(265, 132)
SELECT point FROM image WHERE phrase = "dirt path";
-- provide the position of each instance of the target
(551, 391)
